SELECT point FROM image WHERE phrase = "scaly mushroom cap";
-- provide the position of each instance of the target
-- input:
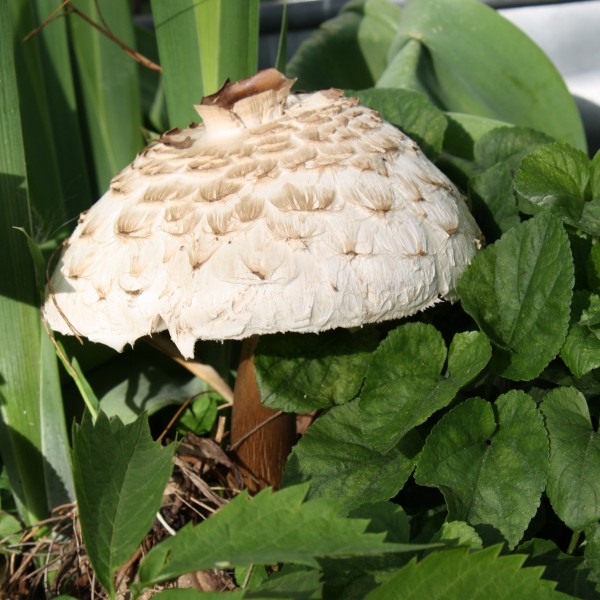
(282, 212)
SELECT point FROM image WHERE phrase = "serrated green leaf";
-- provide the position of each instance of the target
(339, 463)
(570, 572)
(411, 112)
(581, 350)
(556, 177)
(459, 532)
(264, 530)
(592, 553)
(457, 574)
(469, 352)
(302, 372)
(498, 153)
(472, 72)
(404, 385)
(574, 481)
(349, 51)
(299, 584)
(491, 469)
(120, 475)
(183, 594)
(519, 290)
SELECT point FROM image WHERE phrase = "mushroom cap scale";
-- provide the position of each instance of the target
(283, 212)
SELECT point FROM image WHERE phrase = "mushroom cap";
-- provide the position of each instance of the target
(282, 212)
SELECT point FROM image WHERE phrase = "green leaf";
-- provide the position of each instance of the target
(109, 86)
(339, 463)
(349, 51)
(135, 388)
(353, 578)
(592, 552)
(120, 475)
(471, 71)
(33, 438)
(499, 153)
(518, 290)
(459, 532)
(300, 584)
(457, 574)
(556, 177)
(201, 44)
(491, 468)
(301, 372)
(183, 594)
(574, 481)
(581, 350)
(569, 572)
(411, 112)
(264, 530)
(404, 385)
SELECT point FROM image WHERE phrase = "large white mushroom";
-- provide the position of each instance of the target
(281, 212)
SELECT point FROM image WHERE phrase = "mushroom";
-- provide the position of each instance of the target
(282, 212)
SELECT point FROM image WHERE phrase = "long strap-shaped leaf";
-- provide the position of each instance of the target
(110, 86)
(201, 44)
(32, 431)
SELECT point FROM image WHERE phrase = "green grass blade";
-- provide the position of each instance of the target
(109, 86)
(44, 185)
(281, 59)
(228, 33)
(30, 402)
(57, 78)
(201, 44)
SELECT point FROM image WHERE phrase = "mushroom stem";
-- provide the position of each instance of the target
(262, 437)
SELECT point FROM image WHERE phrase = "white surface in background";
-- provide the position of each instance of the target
(569, 34)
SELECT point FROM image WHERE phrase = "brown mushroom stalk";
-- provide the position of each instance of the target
(280, 212)
(261, 437)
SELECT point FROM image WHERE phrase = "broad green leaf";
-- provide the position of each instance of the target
(120, 475)
(592, 553)
(574, 481)
(353, 578)
(570, 572)
(184, 594)
(299, 584)
(201, 44)
(404, 385)
(411, 112)
(109, 86)
(498, 153)
(349, 51)
(264, 530)
(464, 130)
(457, 574)
(145, 388)
(518, 290)
(581, 350)
(556, 177)
(303, 372)
(490, 462)
(33, 439)
(339, 463)
(201, 414)
(472, 71)
(459, 532)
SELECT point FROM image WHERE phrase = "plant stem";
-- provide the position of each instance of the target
(574, 542)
